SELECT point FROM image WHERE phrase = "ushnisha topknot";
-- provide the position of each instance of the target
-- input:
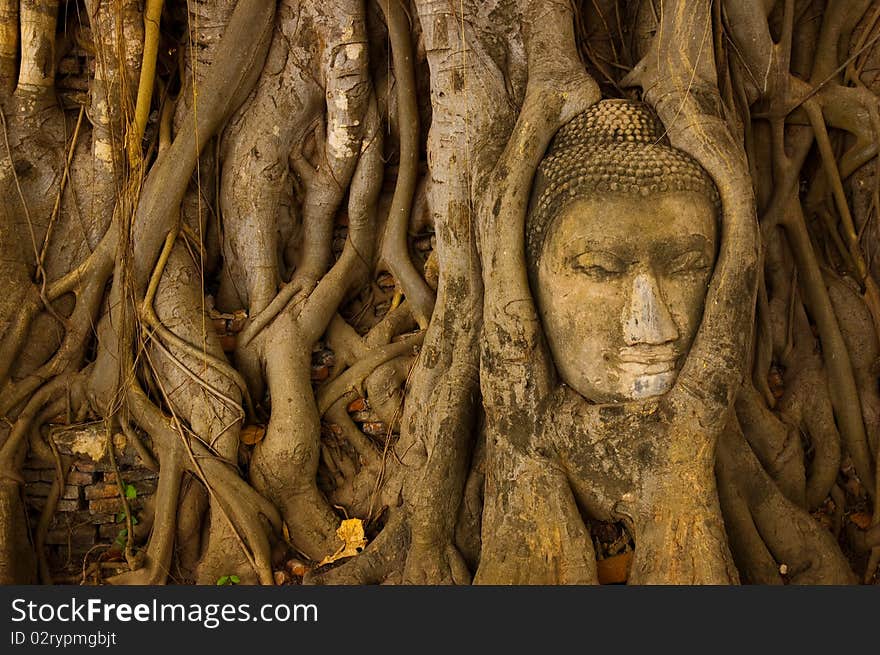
(616, 147)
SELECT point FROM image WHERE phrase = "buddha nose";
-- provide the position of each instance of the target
(648, 320)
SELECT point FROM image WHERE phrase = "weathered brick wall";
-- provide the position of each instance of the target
(86, 519)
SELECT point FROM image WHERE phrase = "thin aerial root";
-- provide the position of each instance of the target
(62, 465)
(126, 508)
(11, 448)
(53, 218)
(160, 550)
(338, 415)
(842, 385)
(395, 251)
(829, 161)
(17, 334)
(149, 316)
(152, 15)
(137, 443)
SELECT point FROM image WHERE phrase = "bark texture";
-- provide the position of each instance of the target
(278, 248)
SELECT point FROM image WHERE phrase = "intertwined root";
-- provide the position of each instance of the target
(226, 165)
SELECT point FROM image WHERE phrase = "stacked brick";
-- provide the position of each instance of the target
(87, 513)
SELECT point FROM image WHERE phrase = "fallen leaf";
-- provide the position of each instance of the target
(615, 569)
(252, 434)
(375, 428)
(861, 519)
(351, 532)
(320, 373)
(357, 405)
(296, 568)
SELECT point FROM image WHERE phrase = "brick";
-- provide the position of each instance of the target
(102, 490)
(112, 505)
(111, 489)
(386, 281)
(425, 243)
(37, 489)
(36, 502)
(64, 505)
(71, 492)
(36, 475)
(80, 478)
(67, 505)
(79, 534)
(99, 518)
(86, 466)
(364, 416)
(84, 516)
(105, 506)
(132, 475)
(109, 532)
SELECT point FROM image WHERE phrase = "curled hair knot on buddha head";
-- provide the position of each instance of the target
(616, 147)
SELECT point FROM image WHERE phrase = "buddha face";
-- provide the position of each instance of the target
(620, 288)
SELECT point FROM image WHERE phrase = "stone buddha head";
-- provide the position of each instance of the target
(621, 242)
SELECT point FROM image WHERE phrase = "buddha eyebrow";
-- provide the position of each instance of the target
(692, 242)
(585, 243)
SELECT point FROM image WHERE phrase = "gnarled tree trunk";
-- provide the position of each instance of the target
(278, 249)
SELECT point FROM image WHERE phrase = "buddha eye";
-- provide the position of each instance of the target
(599, 265)
(692, 261)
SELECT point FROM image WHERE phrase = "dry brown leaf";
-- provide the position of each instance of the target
(296, 567)
(615, 569)
(252, 434)
(861, 519)
(351, 532)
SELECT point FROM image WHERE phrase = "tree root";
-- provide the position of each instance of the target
(231, 495)
(790, 534)
(395, 249)
(157, 562)
(776, 445)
